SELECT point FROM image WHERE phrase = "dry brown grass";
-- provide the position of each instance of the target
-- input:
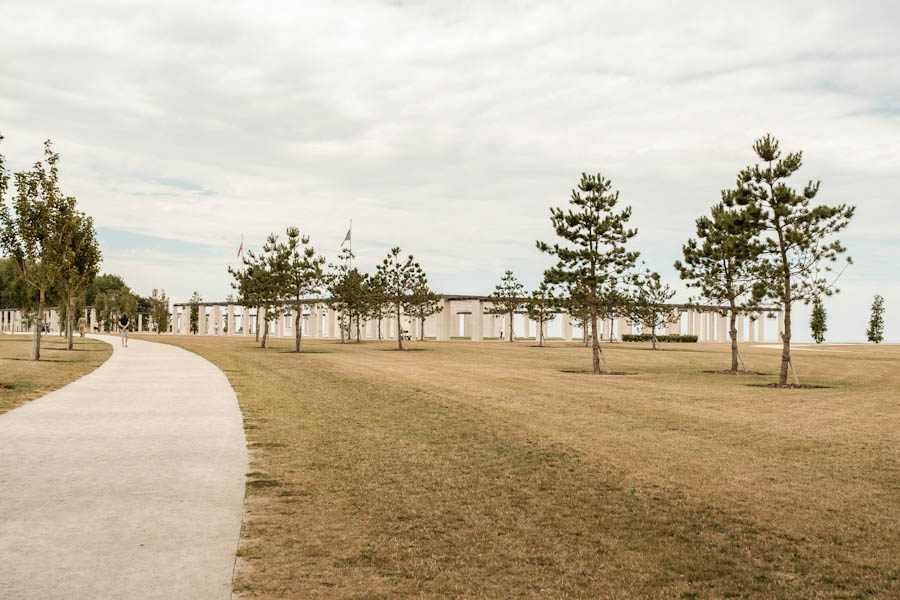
(22, 380)
(489, 471)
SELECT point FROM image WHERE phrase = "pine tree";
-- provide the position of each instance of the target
(159, 303)
(423, 302)
(721, 261)
(593, 258)
(541, 307)
(648, 307)
(508, 297)
(796, 253)
(300, 270)
(817, 324)
(348, 289)
(400, 277)
(875, 332)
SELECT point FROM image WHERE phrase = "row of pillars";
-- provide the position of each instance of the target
(318, 320)
(13, 321)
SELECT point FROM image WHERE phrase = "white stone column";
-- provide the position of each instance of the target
(202, 320)
(279, 327)
(623, 327)
(762, 326)
(140, 322)
(722, 327)
(477, 315)
(443, 332)
(230, 320)
(216, 324)
(740, 326)
(567, 327)
(750, 333)
(332, 322)
(526, 326)
(315, 320)
(780, 324)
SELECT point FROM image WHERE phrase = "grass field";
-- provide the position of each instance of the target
(501, 471)
(22, 380)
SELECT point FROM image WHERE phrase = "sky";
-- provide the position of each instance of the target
(449, 128)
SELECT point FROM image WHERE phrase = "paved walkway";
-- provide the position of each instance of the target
(127, 483)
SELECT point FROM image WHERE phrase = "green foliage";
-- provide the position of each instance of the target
(159, 310)
(592, 261)
(262, 282)
(647, 305)
(423, 302)
(797, 252)
(400, 279)
(79, 266)
(646, 337)
(299, 274)
(508, 296)
(347, 287)
(875, 331)
(817, 324)
(37, 229)
(541, 307)
(195, 312)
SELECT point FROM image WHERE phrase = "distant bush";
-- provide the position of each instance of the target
(646, 337)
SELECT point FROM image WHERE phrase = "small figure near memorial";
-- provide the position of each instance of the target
(82, 325)
(123, 328)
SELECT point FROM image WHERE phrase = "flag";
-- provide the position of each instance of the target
(346, 237)
(241, 249)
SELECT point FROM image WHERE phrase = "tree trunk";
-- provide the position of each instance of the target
(265, 337)
(421, 329)
(258, 309)
(39, 322)
(653, 337)
(540, 325)
(595, 341)
(298, 329)
(70, 325)
(399, 330)
(732, 330)
(786, 334)
(358, 336)
(379, 330)
(512, 320)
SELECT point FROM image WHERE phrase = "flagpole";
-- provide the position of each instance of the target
(351, 243)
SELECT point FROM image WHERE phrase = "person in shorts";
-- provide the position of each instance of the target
(123, 328)
(82, 325)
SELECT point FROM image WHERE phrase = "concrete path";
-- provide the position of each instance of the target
(128, 483)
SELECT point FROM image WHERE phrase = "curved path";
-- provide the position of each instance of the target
(127, 483)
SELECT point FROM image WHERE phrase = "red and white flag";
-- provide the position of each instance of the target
(241, 249)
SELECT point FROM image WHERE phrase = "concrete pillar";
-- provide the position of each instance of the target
(315, 320)
(215, 325)
(279, 327)
(201, 320)
(706, 321)
(331, 317)
(507, 327)
(231, 320)
(445, 324)
(674, 327)
(762, 326)
(750, 332)
(622, 327)
(567, 327)
(740, 326)
(526, 326)
(721, 327)
(477, 315)
(780, 324)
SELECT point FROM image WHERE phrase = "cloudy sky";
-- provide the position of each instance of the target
(447, 128)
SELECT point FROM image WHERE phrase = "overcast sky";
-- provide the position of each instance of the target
(448, 128)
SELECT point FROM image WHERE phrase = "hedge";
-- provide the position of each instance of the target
(646, 337)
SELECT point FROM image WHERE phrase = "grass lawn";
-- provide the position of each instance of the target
(22, 380)
(502, 471)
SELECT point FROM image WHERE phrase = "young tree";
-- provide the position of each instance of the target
(80, 265)
(400, 277)
(648, 305)
(159, 303)
(37, 231)
(541, 307)
(875, 332)
(347, 287)
(377, 305)
(817, 323)
(268, 274)
(593, 257)
(795, 235)
(508, 297)
(195, 312)
(303, 275)
(423, 302)
(721, 261)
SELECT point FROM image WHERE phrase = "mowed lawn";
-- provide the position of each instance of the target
(495, 470)
(22, 380)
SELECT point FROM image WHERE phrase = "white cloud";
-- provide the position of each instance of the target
(445, 128)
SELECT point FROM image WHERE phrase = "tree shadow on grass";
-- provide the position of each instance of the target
(791, 386)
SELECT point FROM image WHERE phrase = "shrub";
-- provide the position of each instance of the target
(646, 337)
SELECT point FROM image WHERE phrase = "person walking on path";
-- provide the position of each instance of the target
(82, 325)
(123, 327)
